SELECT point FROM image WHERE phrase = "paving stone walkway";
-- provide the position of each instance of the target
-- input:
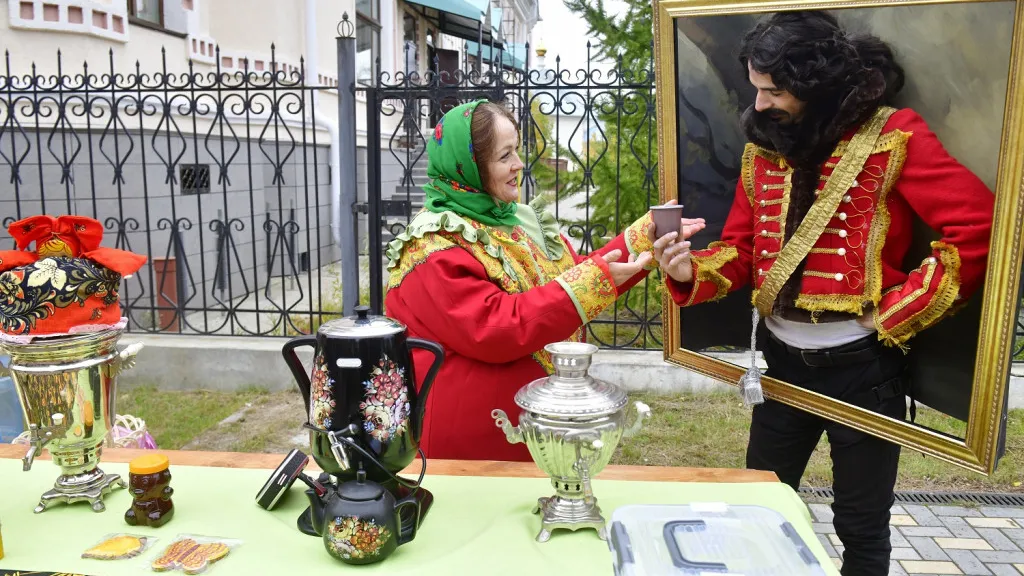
(982, 540)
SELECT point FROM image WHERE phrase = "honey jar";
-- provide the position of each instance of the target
(149, 482)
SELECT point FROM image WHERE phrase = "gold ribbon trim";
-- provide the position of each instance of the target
(818, 217)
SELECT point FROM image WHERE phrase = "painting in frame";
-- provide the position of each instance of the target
(963, 63)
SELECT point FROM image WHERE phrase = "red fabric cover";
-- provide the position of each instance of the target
(67, 284)
(13, 258)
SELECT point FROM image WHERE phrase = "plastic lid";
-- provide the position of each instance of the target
(362, 325)
(359, 489)
(148, 464)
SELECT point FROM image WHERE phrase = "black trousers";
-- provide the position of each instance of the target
(782, 438)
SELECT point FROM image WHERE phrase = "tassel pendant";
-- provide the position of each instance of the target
(750, 382)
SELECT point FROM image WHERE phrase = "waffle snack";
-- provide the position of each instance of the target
(191, 555)
(173, 555)
(119, 547)
(202, 556)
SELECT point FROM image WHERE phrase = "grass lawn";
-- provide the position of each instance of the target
(710, 430)
(697, 430)
(174, 418)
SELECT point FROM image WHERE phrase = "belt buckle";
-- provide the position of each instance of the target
(805, 355)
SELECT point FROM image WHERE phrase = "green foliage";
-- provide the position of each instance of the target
(623, 156)
(543, 151)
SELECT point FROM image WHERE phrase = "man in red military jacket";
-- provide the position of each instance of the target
(820, 225)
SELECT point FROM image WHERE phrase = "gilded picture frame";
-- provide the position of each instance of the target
(980, 449)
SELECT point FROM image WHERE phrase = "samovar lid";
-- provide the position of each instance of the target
(570, 391)
(362, 325)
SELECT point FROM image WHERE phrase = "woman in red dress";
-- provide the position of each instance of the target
(494, 281)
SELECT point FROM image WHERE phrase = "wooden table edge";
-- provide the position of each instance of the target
(494, 468)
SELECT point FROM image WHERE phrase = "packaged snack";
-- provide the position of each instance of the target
(119, 547)
(192, 554)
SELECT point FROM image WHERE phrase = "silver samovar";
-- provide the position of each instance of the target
(572, 424)
(67, 390)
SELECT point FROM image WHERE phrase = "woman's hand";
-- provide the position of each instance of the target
(674, 257)
(623, 271)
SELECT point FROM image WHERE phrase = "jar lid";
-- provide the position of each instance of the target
(362, 325)
(148, 464)
(570, 392)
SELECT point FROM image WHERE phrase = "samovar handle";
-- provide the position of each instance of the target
(643, 411)
(512, 433)
(124, 360)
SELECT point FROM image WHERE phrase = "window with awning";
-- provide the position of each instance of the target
(464, 19)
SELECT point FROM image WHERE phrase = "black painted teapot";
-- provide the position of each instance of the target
(363, 387)
(362, 523)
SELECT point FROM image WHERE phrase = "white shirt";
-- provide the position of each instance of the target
(816, 336)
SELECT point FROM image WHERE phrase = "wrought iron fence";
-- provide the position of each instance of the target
(220, 178)
(589, 148)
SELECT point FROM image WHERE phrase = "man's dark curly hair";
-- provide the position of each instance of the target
(841, 78)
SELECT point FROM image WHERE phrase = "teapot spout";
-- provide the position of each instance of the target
(512, 433)
(643, 411)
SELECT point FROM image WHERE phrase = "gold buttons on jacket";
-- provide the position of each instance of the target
(764, 218)
(847, 198)
(841, 251)
(842, 233)
(764, 253)
(764, 232)
(842, 216)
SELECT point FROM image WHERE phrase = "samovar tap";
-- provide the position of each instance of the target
(40, 437)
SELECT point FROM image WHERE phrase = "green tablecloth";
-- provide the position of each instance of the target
(477, 525)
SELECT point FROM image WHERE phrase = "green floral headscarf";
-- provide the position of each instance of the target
(455, 184)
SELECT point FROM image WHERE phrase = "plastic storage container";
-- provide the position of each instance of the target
(11, 421)
(707, 538)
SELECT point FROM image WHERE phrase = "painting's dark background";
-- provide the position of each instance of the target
(956, 59)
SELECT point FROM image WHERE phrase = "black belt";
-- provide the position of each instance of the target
(864, 350)
(856, 352)
(884, 391)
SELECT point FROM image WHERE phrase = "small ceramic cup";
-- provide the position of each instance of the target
(666, 219)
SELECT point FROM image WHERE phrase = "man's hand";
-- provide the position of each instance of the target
(674, 257)
(689, 226)
(867, 320)
(623, 271)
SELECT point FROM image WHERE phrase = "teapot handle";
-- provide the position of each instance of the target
(292, 359)
(407, 533)
(438, 353)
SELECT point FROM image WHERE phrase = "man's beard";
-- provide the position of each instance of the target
(778, 130)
